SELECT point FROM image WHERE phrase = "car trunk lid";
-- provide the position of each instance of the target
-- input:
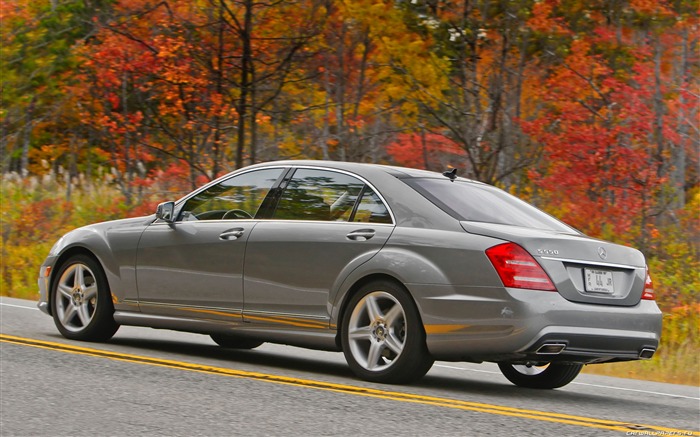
(583, 269)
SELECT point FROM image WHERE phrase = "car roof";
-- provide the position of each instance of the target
(361, 168)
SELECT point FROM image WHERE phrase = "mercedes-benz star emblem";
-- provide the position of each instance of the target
(602, 253)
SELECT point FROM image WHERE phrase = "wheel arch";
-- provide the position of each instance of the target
(76, 317)
(413, 359)
(355, 288)
(62, 258)
(416, 269)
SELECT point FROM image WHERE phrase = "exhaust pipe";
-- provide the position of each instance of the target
(646, 353)
(551, 349)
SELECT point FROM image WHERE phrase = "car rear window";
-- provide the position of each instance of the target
(471, 201)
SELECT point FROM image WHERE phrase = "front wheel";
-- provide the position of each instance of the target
(546, 376)
(81, 301)
(382, 335)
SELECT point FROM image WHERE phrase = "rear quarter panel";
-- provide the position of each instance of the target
(436, 266)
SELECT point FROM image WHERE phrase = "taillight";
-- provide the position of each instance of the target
(648, 292)
(517, 268)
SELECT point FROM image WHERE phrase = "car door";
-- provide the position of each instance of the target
(325, 224)
(193, 267)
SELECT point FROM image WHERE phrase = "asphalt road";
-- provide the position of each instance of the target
(153, 382)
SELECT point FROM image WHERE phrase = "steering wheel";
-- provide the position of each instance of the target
(236, 214)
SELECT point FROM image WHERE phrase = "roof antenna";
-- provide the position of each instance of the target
(452, 174)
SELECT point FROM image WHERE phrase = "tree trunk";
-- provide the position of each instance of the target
(27, 139)
(246, 61)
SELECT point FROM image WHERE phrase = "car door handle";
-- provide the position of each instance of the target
(232, 234)
(361, 234)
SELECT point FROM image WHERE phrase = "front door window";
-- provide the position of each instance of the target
(238, 197)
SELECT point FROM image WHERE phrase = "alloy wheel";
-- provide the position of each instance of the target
(76, 297)
(377, 331)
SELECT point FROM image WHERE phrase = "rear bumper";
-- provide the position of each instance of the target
(589, 345)
(504, 324)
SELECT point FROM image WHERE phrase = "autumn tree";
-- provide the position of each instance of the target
(612, 114)
(352, 99)
(37, 65)
(489, 53)
(274, 40)
(514, 93)
(187, 80)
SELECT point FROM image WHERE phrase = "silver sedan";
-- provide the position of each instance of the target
(394, 267)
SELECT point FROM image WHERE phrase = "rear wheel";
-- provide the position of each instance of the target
(546, 376)
(234, 342)
(382, 335)
(81, 302)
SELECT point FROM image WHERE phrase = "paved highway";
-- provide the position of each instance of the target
(152, 382)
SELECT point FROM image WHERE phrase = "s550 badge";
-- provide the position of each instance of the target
(547, 252)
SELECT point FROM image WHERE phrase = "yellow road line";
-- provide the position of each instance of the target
(356, 390)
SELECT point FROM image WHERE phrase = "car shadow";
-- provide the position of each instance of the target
(438, 385)
(498, 391)
(254, 357)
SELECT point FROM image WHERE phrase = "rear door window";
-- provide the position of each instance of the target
(371, 209)
(325, 195)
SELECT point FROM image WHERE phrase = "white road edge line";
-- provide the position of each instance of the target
(581, 383)
(18, 306)
(470, 370)
(638, 391)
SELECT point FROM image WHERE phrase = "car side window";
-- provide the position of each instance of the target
(326, 195)
(371, 209)
(318, 195)
(238, 197)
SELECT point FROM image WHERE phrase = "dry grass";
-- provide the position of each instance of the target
(678, 358)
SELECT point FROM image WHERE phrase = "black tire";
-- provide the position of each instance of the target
(234, 342)
(81, 302)
(389, 345)
(550, 376)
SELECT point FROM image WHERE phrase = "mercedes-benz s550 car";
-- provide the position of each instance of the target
(394, 267)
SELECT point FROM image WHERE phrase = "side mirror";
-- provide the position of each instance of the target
(166, 211)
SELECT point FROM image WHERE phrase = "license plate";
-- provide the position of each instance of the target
(599, 281)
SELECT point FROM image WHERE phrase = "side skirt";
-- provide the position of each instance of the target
(311, 338)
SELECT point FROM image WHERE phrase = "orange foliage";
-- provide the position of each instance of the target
(429, 151)
(544, 21)
(597, 142)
